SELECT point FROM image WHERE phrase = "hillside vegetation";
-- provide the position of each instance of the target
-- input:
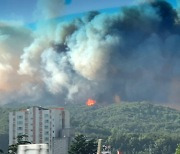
(134, 128)
(126, 118)
(3, 121)
(138, 126)
(135, 117)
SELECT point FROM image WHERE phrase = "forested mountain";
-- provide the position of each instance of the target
(3, 121)
(126, 117)
(137, 126)
(134, 128)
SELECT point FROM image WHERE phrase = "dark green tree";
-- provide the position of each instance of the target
(178, 149)
(1, 151)
(21, 139)
(81, 145)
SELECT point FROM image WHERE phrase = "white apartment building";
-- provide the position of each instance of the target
(40, 124)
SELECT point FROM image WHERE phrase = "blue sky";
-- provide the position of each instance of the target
(23, 9)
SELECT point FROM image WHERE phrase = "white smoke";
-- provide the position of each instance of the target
(90, 52)
(54, 71)
(131, 55)
(85, 57)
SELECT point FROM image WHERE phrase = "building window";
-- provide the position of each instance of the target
(46, 127)
(46, 133)
(19, 122)
(20, 128)
(46, 139)
(46, 115)
(20, 117)
(46, 121)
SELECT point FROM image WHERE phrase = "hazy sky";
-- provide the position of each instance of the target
(24, 9)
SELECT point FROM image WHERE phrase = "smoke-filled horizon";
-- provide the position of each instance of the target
(132, 55)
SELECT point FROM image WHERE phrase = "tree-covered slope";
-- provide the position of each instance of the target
(126, 117)
(3, 121)
(139, 127)
(135, 117)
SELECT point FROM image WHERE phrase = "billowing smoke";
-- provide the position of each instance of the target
(132, 55)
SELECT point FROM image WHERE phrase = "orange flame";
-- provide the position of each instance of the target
(90, 102)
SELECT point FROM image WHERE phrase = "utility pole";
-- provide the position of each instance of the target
(99, 146)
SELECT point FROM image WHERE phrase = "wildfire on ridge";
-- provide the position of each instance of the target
(90, 102)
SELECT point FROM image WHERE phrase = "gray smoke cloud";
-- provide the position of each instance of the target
(16, 39)
(12, 41)
(132, 55)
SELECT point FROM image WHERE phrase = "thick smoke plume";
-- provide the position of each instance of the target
(133, 55)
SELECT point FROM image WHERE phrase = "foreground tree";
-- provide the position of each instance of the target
(81, 145)
(178, 149)
(1, 151)
(21, 139)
